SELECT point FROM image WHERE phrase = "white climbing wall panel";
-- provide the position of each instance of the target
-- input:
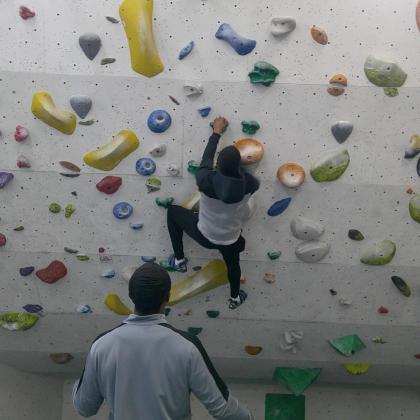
(295, 115)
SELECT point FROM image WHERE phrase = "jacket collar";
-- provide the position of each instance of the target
(145, 320)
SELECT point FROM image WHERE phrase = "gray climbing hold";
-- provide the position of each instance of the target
(158, 151)
(379, 253)
(330, 166)
(312, 251)
(112, 19)
(341, 130)
(107, 60)
(90, 44)
(384, 73)
(193, 89)
(306, 229)
(81, 105)
(282, 25)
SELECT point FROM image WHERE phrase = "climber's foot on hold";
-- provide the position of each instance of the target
(235, 302)
(172, 264)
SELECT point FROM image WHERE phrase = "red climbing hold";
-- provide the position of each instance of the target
(21, 133)
(26, 13)
(383, 310)
(3, 240)
(54, 272)
(109, 184)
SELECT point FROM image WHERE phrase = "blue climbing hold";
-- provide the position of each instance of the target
(136, 226)
(122, 210)
(241, 45)
(186, 50)
(204, 111)
(108, 274)
(145, 166)
(147, 259)
(279, 207)
(26, 271)
(159, 121)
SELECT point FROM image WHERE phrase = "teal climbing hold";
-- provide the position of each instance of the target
(193, 166)
(213, 314)
(250, 127)
(274, 255)
(263, 73)
(164, 202)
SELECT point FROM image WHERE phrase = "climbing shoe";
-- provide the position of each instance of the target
(171, 265)
(234, 303)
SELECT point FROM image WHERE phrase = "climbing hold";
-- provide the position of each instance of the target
(383, 310)
(114, 303)
(52, 273)
(109, 184)
(409, 191)
(26, 271)
(110, 155)
(172, 169)
(3, 240)
(378, 340)
(213, 314)
(107, 60)
(70, 166)
(418, 167)
(136, 226)
(251, 150)
(341, 130)
(186, 50)
(204, 111)
(193, 166)
(71, 250)
(194, 330)
(418, 15)
(69, 175)
(296, 380)
(291, 175)
(54, 208)
(105, 258)
(122, 210)
(68, 211)
(18, 321)
(279, 207)
(158, 151)
(61, 358)
(355, 235)
(147, 259)
(153, 184)
(284, 407)
(193, 89)
(167, 311)
(339, 79)
(333, 292)
(274, 255)
(108, 274)
(83, 309)
(176, 102)
(213, 275)
(101, 249)
(19, 228)
(159, 121)
(192, 202)
(253, 350)
(23, 162)
(319, 35)
(164, 202)
(145, 166)
(90, 44)
(414, 207)
(392, 92)
(312, 251)
(263, 73)
(83, 257)
(241, 45)
(250, 127)
(413, 148)
(306, 229)
(26, 13)
(44, 108)
(282, 25)
(384, 73)
(343, 301)
(87, 122)
(379, 253)
(356, 368)
(137, 19)
(5, 178)
(401, 285)
(269, 278)
(81, 105)
(21, 133)
(347, 345)
(33, 309)
(112, 19)
(330, 166)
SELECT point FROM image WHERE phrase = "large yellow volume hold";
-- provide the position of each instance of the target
(107, 157)
(44, 108)
(137, 18)
(115, 304)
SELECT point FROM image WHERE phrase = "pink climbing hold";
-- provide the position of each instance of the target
(418, 14)
(23, 162)
(109, 184)
(383, 310)
(54, 272)
(26, 13)
(101, 250)
(21, 133)
(3, 240)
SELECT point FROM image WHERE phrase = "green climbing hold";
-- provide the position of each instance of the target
(250, 127)
(165, 202)
(193, 166)
(355, 235)
(384, 73)
(87, 122)
(284, 407)
(379, 253)
(83, 257)
(263, 73)
(392, 92)
(414, 207)
(401, 285)
(54, 208)
(107, 60)
(194, 330)
(167, 311)
(153, 184)
(348, 345)
(68, 211)
(296, 380)
(19, 228)
(274, 255)
(330, 166)
(18, 321)
(213, 314)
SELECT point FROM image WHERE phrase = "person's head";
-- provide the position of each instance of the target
(149, 289)
(228, 161)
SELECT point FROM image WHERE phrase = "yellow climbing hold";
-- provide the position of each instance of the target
(356, 368)
(137, 18)
(44, 108)
(213, 275)
(109, 156)
(192, 202)
(115, 304)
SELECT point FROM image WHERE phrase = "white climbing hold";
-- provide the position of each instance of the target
(312, 251)
(282, 25)
(193, 89)
(173, 169)
(291, 340)
(158, 151)
(343, 301)
(306, 229)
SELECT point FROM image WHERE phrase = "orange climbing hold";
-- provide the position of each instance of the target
(253, 350)
(251, 150)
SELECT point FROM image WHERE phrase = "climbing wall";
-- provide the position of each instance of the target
(295, 113)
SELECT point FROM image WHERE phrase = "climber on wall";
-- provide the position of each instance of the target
(224, 208)
(145, 369)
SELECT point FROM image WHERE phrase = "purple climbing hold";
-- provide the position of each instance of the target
(5, 178)
(26, 271)
(279, 207)
(159, 121)
(204, 111)
(145, 166)
(241, 45)
(33, 309)
(186, 50)
(122, 210)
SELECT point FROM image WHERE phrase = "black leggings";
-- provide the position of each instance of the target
(181, 220)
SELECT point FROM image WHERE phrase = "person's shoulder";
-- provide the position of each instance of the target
(104, 336)
(184, 337)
